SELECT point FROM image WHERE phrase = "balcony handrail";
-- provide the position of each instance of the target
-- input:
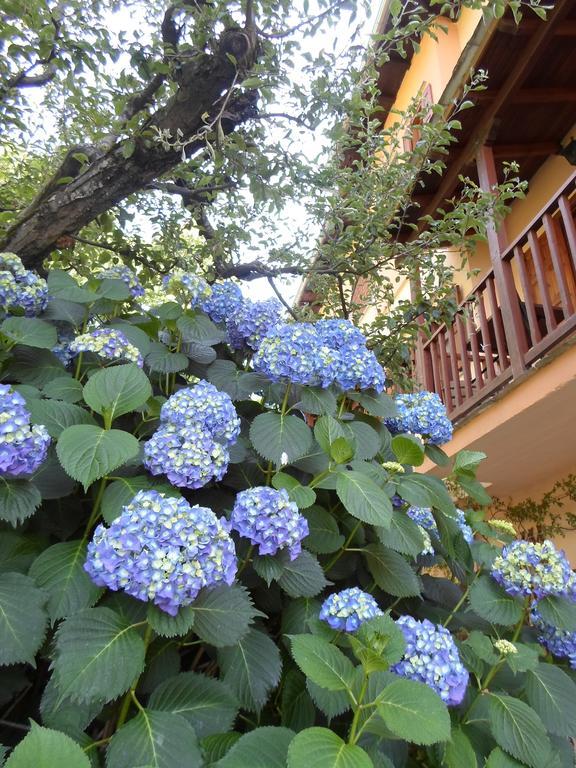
(509, 251)
(553, 202)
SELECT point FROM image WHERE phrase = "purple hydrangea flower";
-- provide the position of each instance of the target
(338, 333)
(23, 447)
(560, 642)
(358, 368)
(346, 610)
(319, 355)
(204, 408)
(163, 550)
(124, 273)
(291, 352)
(431, 657)
(224, 301)
(269, 519)
(422, 413)
(192, 289)
(108, 343)
(189, 457)
(533, 570)
(22, 292)
(252, 321)
(423, 517)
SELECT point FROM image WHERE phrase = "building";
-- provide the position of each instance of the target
(506, 366)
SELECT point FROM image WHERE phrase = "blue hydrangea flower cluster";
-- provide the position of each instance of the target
(533, 570)
(62, 349)
(224, 301)
(188, 456)
(337, 333)
(431, 657)
(109, 344)
(423, 414)
(23, 447)
(346, 610)
(251, 322)
(559, 642)
(270, 520)
(124, 273)
(22, 292)
(330, 352)
(425, 519)
(290, 352)
(205, 408)
(163, 550)
(193, 289)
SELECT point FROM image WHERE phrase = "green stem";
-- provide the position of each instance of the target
(341, 408)
(343, 548)
(124, 709)
(318, 479)
(78, 366)
(493, 671)
(462, 600)
(353, 737)
(246, 560)
(97, 744)
(285, 401)
(131, 695)
(95, 509)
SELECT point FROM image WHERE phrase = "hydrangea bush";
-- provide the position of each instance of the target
(221, 548)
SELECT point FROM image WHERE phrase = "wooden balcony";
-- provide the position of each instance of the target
(519, 311)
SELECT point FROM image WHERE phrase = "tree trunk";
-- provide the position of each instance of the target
(112, 177)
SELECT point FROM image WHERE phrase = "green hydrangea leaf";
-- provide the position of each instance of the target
(88, 453)
(45, 748)
(117, 390)
(98, 655)
(155, 740)
(322, 748)
(23, 618)
(206, 703)
(251, 668)
(59, 571)
(261, 748)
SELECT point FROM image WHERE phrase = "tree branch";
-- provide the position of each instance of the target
(280, 297)
(306, 22)
(118, 173)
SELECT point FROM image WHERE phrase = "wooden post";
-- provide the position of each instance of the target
(515, 332)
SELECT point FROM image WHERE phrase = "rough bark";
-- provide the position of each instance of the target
(202, 86)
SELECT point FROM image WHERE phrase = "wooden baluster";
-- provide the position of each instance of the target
(535, 334)
(454, 364)
(474, 346)
(511, 317)
(541, 280)
(464, 355)
(428, 373)
(553, 241)
(436, 370)
(569, 226)
(449, 401)
(486, 343)
(497, 325)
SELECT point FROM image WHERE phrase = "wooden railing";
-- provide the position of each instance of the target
(478, 353)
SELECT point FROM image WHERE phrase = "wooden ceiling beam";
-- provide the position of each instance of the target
(516, 77)
(531, 96)
(521, 151)
(529, 26)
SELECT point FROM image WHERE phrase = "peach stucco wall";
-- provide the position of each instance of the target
(435, 61)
